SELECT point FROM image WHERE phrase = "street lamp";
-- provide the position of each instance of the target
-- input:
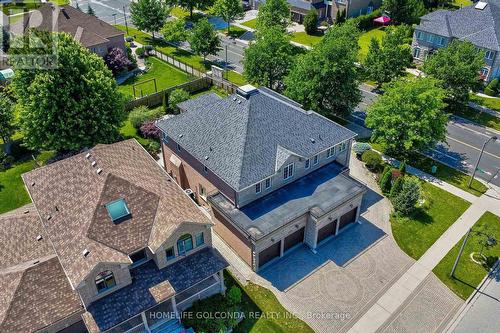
(490, 241)
(493, 138)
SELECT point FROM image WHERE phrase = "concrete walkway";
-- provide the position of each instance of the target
(390, 303)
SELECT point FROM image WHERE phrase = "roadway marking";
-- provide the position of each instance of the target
(444, 154)
(470, 146)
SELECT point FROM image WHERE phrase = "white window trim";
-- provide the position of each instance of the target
(270, 183)
(316, 159)
(289, 172)
(202, 189)
(259, 187)
(330, 152)
(490, 53)
(306, 165)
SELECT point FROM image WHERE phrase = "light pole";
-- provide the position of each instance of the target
(125, 17)
(493, 138)
(114, 17)
(491, 241)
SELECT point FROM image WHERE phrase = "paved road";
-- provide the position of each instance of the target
(104, 9)
(235, 54)
(463, 144)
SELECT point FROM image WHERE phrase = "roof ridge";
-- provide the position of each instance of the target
(243, 146)
(9, 308)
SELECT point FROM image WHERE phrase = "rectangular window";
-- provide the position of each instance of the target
(170, 253)
(138, 257)
(200, 240)
(430, 38)
(178, 147)
(307, 164)
(420, 35)
(441, 41)
(489, 55)
(257, 188)
(268, 182)
(330, 152)
(315, 159)
(288, 171)
(343, 146)
(416, 52)
(165, 138)
(484, 72)
(203, 192)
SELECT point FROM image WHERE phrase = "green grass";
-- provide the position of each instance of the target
(364, 41)
(462, 3)
(234, 31)
(491, 103)
(129, 131)
(12, 192)
(251, 24)
(439, 210)
(445, 173)
(469, 274)
(259, 299)
(236, 78)
(474, 115)
(179, 12)
(305, 39)
(166, 76)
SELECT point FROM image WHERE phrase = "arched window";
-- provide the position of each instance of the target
(104, 281)
(184, 244)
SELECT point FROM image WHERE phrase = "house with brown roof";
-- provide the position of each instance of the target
(96, 35)
(126, 246)
(273, 175)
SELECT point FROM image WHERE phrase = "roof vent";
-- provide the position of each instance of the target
(33, 184)
(36, 262)
(206, 157)
(94, 163)
(234, 99)
(87, 156)
(39, 237)
(85, 252)
(239, 102)
(181, 135)
(99, 171)
(26, 211)
(481, 5)
(312, 140)
(246, 91)
(49, 217)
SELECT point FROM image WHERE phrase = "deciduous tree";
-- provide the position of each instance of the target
(457, 66)
(174, 31)
(72, 106)
(389, 59)
(404, 11)
(228, 10)
(408, 116)
(273, 13)
(204, 39)
(311, 22)
(325, 79)
(149, 15)
(269, 58)
(117, 60)
(6, 116)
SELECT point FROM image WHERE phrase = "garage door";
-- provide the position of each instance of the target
(268, 254)
(348, 218)
(296, 238)
(326, 231)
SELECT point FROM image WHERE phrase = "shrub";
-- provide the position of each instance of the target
(204, 323)
(177, 96)
(142, 114)
(140, 52)
(408, 197)
(149, 130)
(360, 147)
(396, 187)
(311, 22)
(129, 39)
(402, 167)
(372, 160)
(18, 150)
(116, 60)
(234, 295)
(386, 182)
(490, 92)
(365, 22)
(5, 160)
(153, 148)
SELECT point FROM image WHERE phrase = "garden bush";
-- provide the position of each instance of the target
(311, 22)
(372, 160)
(5, 160)
(234, 295)
(365, 22)
(402, 167)
(406, 200)
(177, 96)
(140, 52)
(396, 187)
(149, 130)
(492, 88)
(360, 147)
(117, 60)
(386, 182)
(142, 114)
(153, 148)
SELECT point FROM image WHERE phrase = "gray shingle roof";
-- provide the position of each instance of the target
(481, 27)
(245, 139)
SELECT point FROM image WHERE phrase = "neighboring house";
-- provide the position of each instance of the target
(327, 9)
(479, 24)
(96, 35)
(272, 174)
(111, 238)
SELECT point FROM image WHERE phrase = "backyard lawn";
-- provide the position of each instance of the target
(364, 41)
(491, 103)
(469, 274)
(12, 192)
(439, 210)
(305, 39)
(462, 3)
(251, 24)
(166, 76)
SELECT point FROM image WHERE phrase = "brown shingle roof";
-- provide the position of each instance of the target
(75, 187)
(87, 29)
(31, 279)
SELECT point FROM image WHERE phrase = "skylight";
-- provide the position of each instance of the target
(117, 209)
(481, 5)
